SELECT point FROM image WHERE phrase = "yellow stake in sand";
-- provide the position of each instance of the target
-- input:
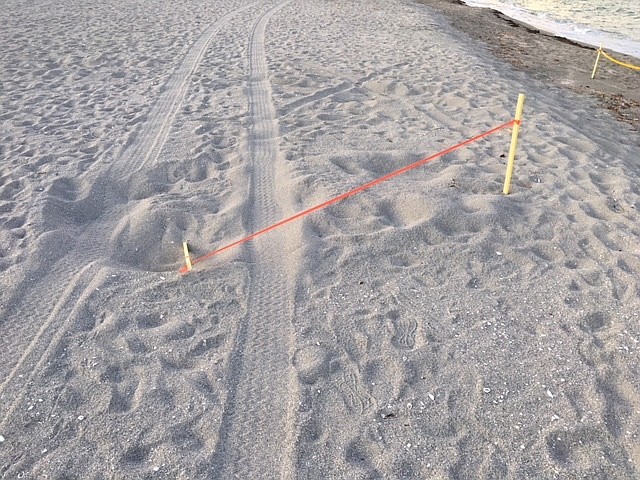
(187, 256)
(601, 52)
(595, 66)
(514, 144)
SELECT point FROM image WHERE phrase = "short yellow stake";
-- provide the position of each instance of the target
(595, 66)
(187, 256)
(514, 144)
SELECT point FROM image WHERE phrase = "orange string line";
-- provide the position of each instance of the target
(348, 194)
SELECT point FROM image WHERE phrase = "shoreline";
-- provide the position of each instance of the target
(549, 58)
(598, 37)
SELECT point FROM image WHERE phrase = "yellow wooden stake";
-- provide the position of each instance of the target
(595, 66)
(514, 145)
(187, 256)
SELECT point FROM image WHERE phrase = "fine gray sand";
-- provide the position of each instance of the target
(427, 328)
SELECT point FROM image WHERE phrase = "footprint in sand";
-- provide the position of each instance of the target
(354, 395)
(125, 395)
(594, 322)
(405, 329)
(311, 363)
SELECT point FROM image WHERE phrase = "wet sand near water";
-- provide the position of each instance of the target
(550, 59)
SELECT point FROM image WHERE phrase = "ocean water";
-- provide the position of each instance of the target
(614, 24)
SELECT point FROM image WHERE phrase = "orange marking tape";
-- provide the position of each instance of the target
(348, 194)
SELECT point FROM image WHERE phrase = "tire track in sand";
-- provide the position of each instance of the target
(257, 430)
(71, 281)
(49, 336)
(148, 143)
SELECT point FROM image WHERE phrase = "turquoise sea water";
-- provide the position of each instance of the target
(615, 24)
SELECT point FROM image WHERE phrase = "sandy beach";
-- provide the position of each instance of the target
(429, 327)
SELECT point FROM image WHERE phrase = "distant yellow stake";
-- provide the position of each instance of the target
(595, 66)
(514, 145)
(187, 256)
